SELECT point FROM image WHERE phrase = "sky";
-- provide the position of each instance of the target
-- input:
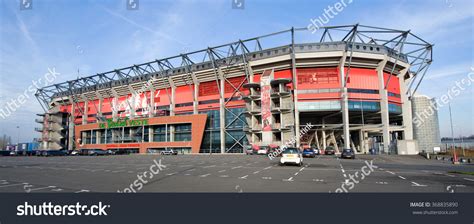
(77, 38)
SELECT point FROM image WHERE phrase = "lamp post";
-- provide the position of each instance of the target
(18, 136)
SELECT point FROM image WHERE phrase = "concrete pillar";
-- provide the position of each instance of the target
(151, 106)
(195, 98)
(71, 140)
(344, 102)
(172, 113)
(406, 107)
(323, 136)
(384, 106)
(222, 112)
(84, 115)
(151, 130)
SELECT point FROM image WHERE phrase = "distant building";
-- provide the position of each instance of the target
(426, 124)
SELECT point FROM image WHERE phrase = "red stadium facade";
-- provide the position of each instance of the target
(355, 93)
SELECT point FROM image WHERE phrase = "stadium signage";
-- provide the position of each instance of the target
(125, 122)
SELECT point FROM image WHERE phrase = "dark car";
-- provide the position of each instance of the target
(329, 150)
(348, 153)
(309, 153)
(97, 152)
(51, 152)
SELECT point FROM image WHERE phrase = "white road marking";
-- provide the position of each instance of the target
(205, 175)
(224, 176)
(41, 188)
(170, 174)
(56, 189)
(267, 178)
(81, 191)
(11, 185)
(381, 182)
(318, 180)
(468, 179)
(289, 179)
(390, 172)
(302, 169)
(220, 171)
(402, 177)
(256, 172)
(235, 167)
(449, 175)
(210, 166)
(190, 170)
(296, 174)
(266, 168)
(187, 174)
(244, 177)
(415, 184)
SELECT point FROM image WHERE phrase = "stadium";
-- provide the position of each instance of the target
(354, 84)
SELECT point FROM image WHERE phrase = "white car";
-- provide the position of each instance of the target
(263, 150)
(291, 156)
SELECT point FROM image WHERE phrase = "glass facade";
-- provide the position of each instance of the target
(182, 133)
(235, 136)
(160, 133)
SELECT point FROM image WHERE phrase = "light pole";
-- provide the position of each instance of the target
(452, 130)
(18, 136)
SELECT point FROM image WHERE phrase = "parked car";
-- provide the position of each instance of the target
(169, 152)
(74, 153)
(309, 153)
(291, 156)
(263, 150)
(97, 152)
(5, 152)
(51, 152)
(348, 153)
(249, 150)
(329, 150)
(317, 151)
(83, 152)
(273, 149)
(372, 151)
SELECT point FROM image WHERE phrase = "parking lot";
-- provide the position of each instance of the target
(231, 173)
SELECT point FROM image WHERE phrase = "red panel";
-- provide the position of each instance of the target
(318, 78)
(208, 88)
(363, 78)
(184, 94)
